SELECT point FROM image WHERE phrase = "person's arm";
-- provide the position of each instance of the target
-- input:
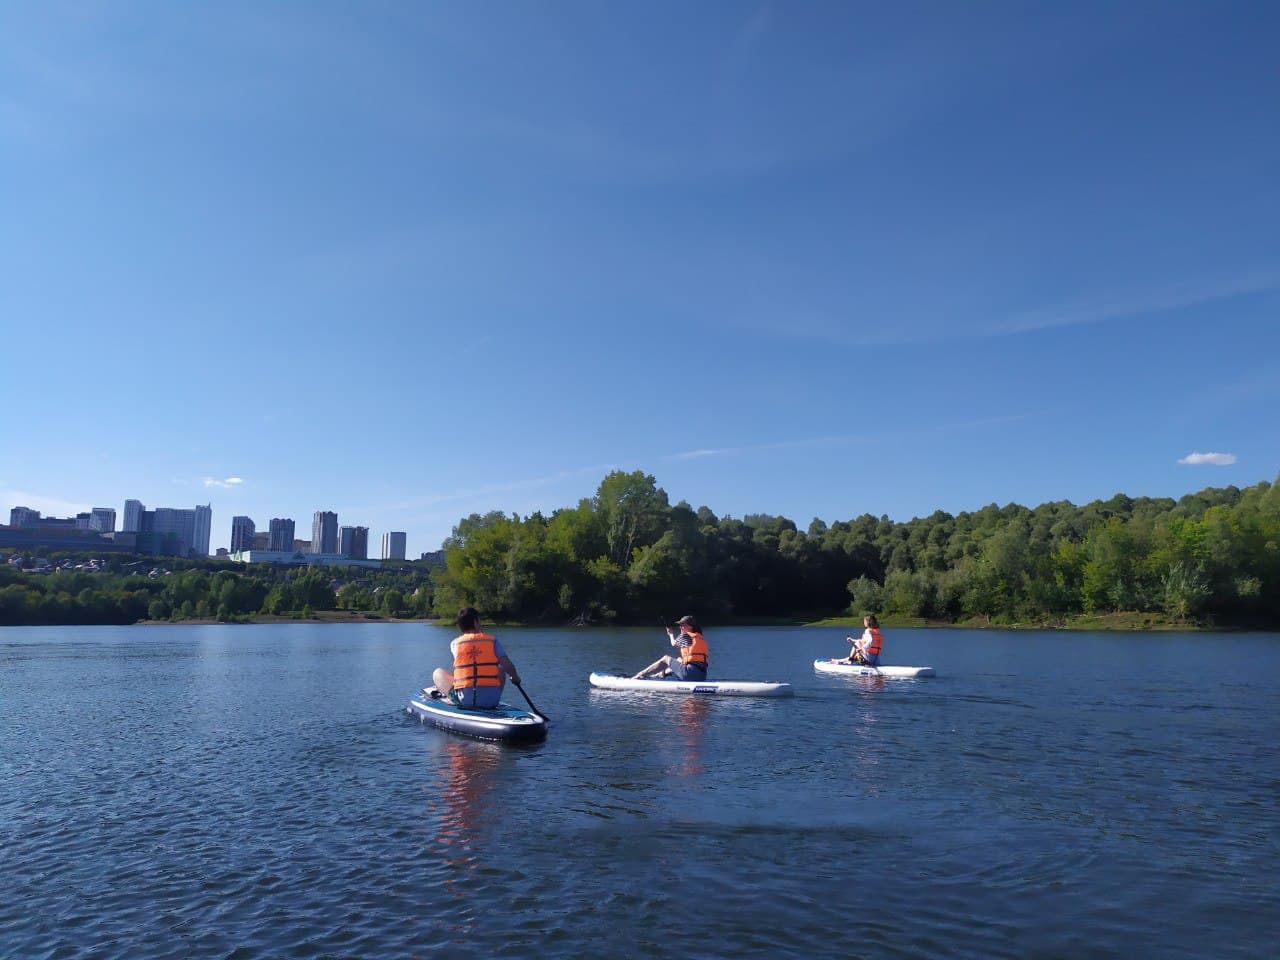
(510, 667)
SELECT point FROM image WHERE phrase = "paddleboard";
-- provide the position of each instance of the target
(708, 688)
(503, 722)
(860, 670)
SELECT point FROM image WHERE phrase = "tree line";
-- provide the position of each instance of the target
(206, 590)
(627, 555)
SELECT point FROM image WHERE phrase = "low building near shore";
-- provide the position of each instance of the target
(295, 558)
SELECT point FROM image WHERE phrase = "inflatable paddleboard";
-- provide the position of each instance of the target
(708, 688)
(503, 722)
(859, 670)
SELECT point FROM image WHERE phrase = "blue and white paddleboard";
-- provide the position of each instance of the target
(503, 722)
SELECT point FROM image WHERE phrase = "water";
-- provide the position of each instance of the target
(256, 791)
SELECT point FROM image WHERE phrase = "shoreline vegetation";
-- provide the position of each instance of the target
(1121, 621)
(628, 557)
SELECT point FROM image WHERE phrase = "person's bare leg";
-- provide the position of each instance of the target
(443, 680)
(656, 669)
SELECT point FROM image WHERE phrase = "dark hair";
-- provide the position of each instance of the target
(468, 617)
(872, 621)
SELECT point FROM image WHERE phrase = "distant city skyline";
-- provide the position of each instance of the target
(194, 527)
(813, 260)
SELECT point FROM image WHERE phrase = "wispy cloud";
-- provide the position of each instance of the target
(228, 483)
(1210, 459)
(1177, 296)
(834, 326)
(49, 506)
(834, 440)
(756, 447)
(480, 492)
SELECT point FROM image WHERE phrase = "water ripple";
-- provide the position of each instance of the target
(256, 792)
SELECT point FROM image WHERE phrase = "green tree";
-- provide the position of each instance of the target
(1185, 591)
(633, 510)
(868, 597)
(392, 602)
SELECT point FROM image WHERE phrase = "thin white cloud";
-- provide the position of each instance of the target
(228, 483)
(1116, 307)
(834, 440)
(478, 493)
(48, 506)
(1212, 459)
(695, 454)
(1174, 297)
(752, 448)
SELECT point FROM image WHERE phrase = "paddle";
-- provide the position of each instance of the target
(530, 702)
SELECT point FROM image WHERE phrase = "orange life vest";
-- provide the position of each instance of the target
(695, 652)
(476, 662)
(876, 642)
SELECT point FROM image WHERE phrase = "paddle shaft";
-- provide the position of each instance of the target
(532, 706)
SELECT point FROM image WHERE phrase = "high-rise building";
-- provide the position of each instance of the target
(261, 541)
(103, 519)
(203, 528)
(346, 540)
(324, 532)
(173, 529)
(242, 532)
(353, 542)
(23, 517)
(393, 546)
(133, 510)
(185, 532)
(281, 534)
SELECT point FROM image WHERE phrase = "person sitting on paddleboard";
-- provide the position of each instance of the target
(866, 650)
(480, 666)
(694, 657)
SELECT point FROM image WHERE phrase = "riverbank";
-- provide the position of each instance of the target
(322, 616)
(1119, 622)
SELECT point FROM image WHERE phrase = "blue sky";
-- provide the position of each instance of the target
(413, 261)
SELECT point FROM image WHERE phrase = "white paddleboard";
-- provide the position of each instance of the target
(709, 688)
(860, 670)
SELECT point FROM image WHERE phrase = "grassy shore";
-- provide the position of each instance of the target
(1120, 621)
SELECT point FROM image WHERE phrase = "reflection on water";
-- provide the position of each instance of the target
(691, 721)
(866, 736)
(462, 818)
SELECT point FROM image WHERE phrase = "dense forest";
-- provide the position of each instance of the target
(627, 555)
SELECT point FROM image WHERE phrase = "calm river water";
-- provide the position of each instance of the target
(256, 791)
